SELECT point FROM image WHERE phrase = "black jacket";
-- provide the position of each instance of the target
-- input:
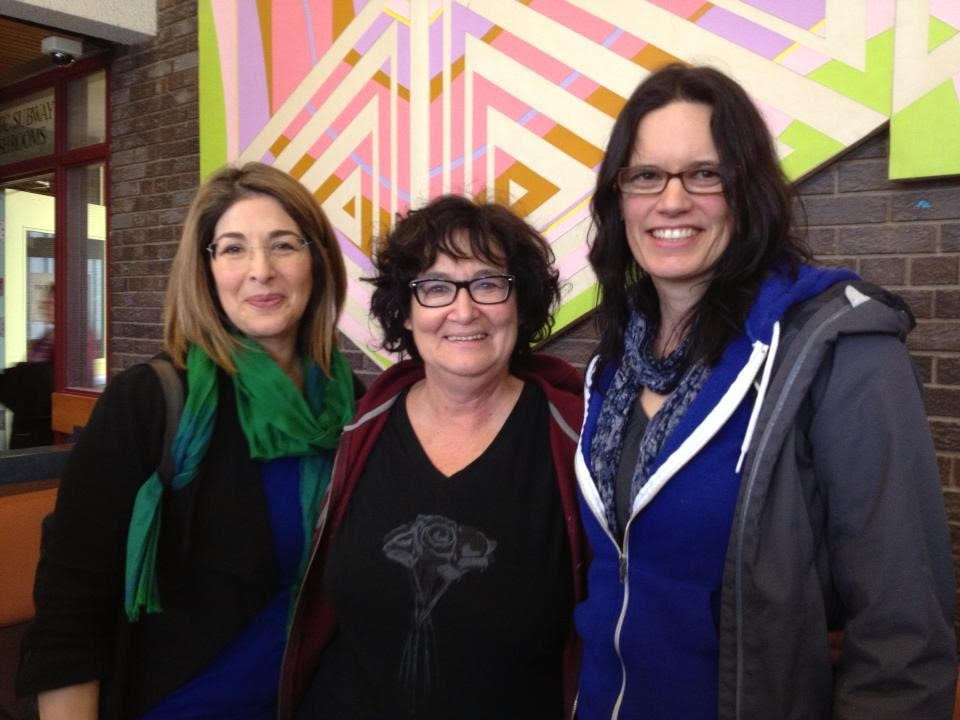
(215, 563)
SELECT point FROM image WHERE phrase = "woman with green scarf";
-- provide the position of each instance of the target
(163, 597)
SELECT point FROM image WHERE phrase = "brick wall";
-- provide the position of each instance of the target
(905, 236)
(154, 171)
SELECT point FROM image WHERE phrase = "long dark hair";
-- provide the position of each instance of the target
(756, 192)
(494, 234)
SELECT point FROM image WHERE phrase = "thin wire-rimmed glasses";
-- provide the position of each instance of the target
(652, 180)
(238, 252)
(485, 290)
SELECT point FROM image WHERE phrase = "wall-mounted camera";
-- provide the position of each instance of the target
(62, 51)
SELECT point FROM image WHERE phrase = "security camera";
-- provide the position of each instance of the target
(62, 51)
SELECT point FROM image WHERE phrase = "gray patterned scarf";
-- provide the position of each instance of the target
(638, 369)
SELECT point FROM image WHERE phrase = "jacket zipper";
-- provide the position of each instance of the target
(624, 562)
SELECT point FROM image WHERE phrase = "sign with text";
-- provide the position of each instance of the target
(26, 128)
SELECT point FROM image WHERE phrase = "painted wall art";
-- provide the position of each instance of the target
(379, 105)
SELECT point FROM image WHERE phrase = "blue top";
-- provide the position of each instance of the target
(241, 684)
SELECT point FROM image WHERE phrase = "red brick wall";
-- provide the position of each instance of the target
(905, 236)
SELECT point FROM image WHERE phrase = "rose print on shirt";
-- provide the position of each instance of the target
(437, 552)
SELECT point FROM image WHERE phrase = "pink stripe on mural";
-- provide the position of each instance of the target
(225, 21)
(583, 87)
(330, 84)
(540, 124)
(533, 58)
(320, 146)
(574, 18)
(501, 162)
(290, 47)
(299, 120)
(251, 73)
(776, 120)
(575, 261)
(627, 45)
(803, 60)
(683, 8)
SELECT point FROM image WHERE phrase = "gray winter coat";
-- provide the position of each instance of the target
(839, 527)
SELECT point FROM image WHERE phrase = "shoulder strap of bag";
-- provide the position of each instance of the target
(173, 395)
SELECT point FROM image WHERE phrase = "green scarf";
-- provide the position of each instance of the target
(277, 421)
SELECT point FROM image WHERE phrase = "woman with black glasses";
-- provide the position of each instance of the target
(448, 561)
(755, 465)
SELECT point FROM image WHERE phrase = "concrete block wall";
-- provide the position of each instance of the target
(903, 235)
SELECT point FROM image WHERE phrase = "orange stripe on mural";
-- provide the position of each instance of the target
(327, 188)
(279, 145)
(342, 15)
(574, 146)
(263, 13)
(653, 58)
(606, 101)
(303, 164)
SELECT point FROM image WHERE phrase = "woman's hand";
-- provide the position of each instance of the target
(74, 702)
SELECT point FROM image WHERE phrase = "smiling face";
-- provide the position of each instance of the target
(675, 236)
(464, 340)
(264, 298)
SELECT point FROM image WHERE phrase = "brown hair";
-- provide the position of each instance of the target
(193, 313)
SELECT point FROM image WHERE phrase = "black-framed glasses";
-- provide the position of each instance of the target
(485, 290)
(235, 251)
(652, 180)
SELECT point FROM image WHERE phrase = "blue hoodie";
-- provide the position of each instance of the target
(649, 623)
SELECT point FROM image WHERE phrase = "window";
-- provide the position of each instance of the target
(53, 229)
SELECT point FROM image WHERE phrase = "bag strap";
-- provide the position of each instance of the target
(173, 396)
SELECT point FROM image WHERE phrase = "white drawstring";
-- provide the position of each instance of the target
(764, 382)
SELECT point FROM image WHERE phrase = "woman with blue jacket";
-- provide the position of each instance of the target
(755, 466)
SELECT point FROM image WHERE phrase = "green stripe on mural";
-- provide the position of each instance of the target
(213, 123)
(939, 33)
(873, 87)
(923, 136)
(811, 148)
(575, 308)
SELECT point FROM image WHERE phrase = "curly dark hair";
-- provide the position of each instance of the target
(756, 191)
(495, 235)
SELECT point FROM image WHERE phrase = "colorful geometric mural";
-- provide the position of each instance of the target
(378, 105)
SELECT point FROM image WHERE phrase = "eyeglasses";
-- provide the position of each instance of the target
(238, 252)
(651, 180)
(486, 290)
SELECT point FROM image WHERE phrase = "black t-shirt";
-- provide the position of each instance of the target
(453, 595)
